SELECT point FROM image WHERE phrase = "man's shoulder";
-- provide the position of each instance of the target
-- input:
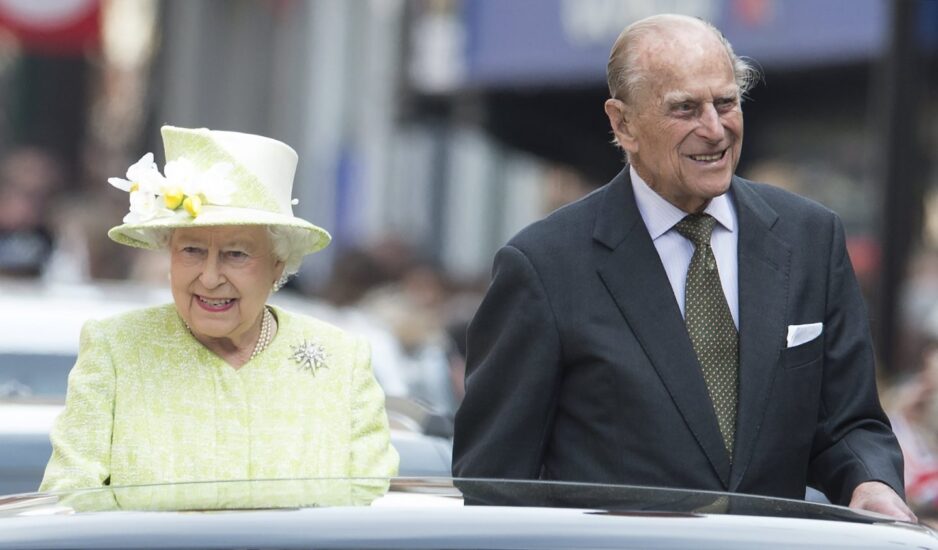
(571, 223)
(783, 201)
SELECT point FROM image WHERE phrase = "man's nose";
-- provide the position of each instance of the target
(711, 127)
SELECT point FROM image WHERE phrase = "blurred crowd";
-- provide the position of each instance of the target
(424, 308)
(29, 179)
(912, 400)
(53, 227)
(913, 411)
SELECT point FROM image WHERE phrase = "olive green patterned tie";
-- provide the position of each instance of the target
(710, 325)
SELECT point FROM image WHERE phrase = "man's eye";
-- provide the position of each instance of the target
(725, 105)
(192, 250)
(684, 107)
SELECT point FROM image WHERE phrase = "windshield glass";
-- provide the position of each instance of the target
(306, 493)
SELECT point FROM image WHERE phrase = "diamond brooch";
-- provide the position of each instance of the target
(309, 356)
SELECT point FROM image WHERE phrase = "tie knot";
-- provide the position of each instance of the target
(696, 228)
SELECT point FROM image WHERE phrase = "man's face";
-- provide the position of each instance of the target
(685, 123)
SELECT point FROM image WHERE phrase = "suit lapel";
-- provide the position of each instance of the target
(633, 274)
(764, 262)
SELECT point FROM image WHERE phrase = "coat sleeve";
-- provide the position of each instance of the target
(81, 435)
(853, 442)
(512, 376)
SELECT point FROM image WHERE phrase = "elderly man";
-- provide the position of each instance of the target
(681, 326)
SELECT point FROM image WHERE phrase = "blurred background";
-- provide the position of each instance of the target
(430, 131)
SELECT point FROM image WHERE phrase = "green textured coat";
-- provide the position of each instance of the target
(147, 403)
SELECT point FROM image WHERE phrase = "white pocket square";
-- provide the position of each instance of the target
(799, 334)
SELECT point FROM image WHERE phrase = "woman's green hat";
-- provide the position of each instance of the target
(213, 178)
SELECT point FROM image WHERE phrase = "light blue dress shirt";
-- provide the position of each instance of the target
(660, 216)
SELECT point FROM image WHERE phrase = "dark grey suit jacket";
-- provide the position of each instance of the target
(580, 366)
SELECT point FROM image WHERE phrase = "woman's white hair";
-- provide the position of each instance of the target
(287, 244)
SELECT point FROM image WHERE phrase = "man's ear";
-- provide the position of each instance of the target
(619, 115)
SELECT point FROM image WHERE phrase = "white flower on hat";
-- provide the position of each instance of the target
(191, 188)
(216, 186)
(144, 206)
(142, 175)
(180, 173)
(154, 196)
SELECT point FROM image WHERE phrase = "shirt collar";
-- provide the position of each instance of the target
(660, 215)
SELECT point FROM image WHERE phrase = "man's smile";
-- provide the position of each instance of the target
(708, 157)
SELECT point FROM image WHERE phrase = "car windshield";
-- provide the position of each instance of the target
(411, 513)
(437, 492)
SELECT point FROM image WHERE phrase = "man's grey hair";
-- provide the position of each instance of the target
(624, 73)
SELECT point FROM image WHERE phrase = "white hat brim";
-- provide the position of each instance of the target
(139, 235)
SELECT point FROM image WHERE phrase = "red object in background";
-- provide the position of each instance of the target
(753, 13)
(53, 27)
(282, 9)
(865, 256)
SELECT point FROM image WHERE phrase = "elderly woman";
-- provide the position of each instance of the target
(218, 385)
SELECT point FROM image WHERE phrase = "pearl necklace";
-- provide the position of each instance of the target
(266, 333)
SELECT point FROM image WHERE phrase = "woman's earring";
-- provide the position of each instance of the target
(278, 284)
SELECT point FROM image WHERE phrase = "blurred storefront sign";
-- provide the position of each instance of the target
(592, 22)
(52, 27)
(566, 42)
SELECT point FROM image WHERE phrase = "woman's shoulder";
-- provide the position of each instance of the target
(139, 332)
(149, 319)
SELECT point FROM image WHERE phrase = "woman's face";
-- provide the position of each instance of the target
(221, 278)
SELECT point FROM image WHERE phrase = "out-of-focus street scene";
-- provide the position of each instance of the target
(428, 133)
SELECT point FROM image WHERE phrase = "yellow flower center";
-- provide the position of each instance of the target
(134, 187)
(173, 197)
(193, 205)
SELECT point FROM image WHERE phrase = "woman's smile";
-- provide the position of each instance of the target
(215, 304)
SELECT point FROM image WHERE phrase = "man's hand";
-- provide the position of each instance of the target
(878, 497)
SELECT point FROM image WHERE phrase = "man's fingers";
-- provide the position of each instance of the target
(874, 496)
